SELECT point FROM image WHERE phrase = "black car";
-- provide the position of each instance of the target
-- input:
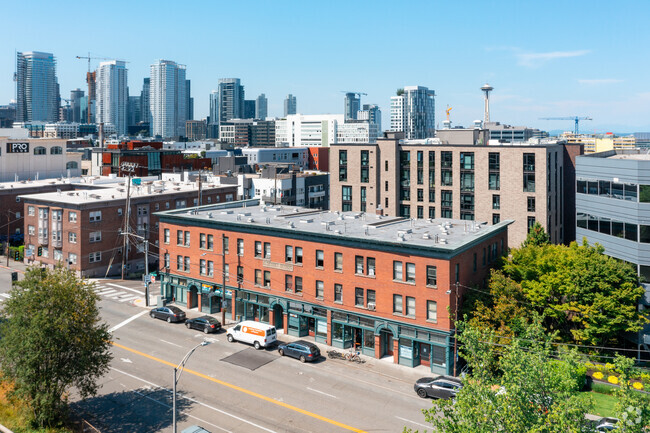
(302, 350)
(441, 387)
(170, 314)
(206, 324)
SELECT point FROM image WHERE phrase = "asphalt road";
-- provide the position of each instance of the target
(230, 387)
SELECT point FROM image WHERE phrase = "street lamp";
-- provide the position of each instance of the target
(176, 379)
(448, 292)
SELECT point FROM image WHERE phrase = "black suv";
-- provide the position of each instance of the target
(302, 350)
(170, 314)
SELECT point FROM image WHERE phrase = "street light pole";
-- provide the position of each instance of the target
(455, 322)
(179, 369)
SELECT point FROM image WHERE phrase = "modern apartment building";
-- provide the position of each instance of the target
(351, 105)
(459, 177)
(249, 109)
(383, 285)
(322, 130)
(112, 95)
(290, 105)
(261, 107)
(37, 88)
(412, 111)
(145, 101)
(372, 114)
(613, 210)
(230, 102)
(82, 228)
(167, 99)
(195, 130)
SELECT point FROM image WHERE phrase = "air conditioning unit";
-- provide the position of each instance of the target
(371, 306)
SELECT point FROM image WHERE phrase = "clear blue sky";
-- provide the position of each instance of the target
(543, 58)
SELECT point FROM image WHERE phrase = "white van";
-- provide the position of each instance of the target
(255, 333)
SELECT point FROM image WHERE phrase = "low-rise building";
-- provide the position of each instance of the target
(383, 285)
(323, 130)
(595, 143)
(28, 158)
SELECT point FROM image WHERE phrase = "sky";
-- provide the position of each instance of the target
(543, 58)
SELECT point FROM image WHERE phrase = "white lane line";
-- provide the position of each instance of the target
(125, 288)
(129, 320)
(197, 402)
(6, 295)
(321, 392)
(130, 298)
(106, 292)
(412, 422)
(169, 342)
(115, 295)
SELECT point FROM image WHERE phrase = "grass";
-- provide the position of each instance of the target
(603, 403)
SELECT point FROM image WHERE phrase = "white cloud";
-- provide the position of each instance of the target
(598, 81)
(534, 60)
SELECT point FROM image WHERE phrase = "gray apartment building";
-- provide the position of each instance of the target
(613, 210)
(456, 175)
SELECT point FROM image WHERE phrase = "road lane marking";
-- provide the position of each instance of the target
(169, 342)
(129, 320)
(244, 390)
(128, 298)
(126, 288)
(105, 292)
(6, 295)
(115, 295)
(193, 400)
(412, 422)
(321, 392)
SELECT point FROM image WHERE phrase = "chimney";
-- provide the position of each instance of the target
(379, 211)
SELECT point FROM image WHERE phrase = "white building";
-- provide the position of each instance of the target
(413, 112)
(39, 158)
(167, 99)
(322, 130)
(293, 155)
(112, 95)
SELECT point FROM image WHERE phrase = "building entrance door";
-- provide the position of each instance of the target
(386, 338)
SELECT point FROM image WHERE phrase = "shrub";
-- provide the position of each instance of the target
(612, 379)
(637, 385)
(598, 375)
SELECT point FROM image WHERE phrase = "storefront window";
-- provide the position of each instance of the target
(337, 331)
(438, 355)
(321, 328)
(368, 339)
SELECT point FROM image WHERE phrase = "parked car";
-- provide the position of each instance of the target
(607, 425)
(302, 350)
(441, 387)
(170, 314)
(206, 324)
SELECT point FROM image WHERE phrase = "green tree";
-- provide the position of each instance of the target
(632, 408)
(529, 392)
(52, 341)
(536, 237)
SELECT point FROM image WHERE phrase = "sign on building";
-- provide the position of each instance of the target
(17, 147)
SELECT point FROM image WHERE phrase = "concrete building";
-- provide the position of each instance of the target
(26, 158)
(195, 130)
(372, 114)
(322, 130)
(383, 285)
(298, 156)
(189, 101)
(145, 101)
(290, 105)
(112, 95)
(37, 88)
(261, 107)
(230, 101)
(596, 143)
(77, 105)
(508, 134)
(412, 111)
(167, 99)
(351, 105)
(249, 109)
(455, 176)
(248, 132)
(613, 210)
(83, 227)
(133, 113)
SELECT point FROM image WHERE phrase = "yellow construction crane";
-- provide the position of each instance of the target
(447, 111)
(90, 79)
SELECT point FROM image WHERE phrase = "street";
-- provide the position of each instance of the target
(231, 386)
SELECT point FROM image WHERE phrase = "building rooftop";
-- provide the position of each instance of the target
(628, 154)
(85, 181)
(444, 234)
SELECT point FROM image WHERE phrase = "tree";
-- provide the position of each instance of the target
(537, 236)
(52, 340)
(529, 392)
(632, 408)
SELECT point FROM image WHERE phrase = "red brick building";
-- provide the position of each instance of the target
(382, 284)
(82, 229)
(319, 158)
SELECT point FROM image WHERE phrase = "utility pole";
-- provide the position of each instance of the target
(455, 329)
(223, 278)
(8, 227)
(128, 167)
(146, 272)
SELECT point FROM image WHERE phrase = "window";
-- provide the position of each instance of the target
(288, 253)
(202, 267)
(346, 197)
(166, 236)
(267, 250)
(298, 254)
(432, 276)
(226, 244)
(338, 261)
(179, 263)
(72, 258)
(240, 247)
(397, 271)
(31, 211)
(496, 202)
(31, 230)
(365, 161)
(343, 165)
(187, 239)
(370, 261)
(397, 304)
(358, 264)
(267, 279)
(202, 241)
(320, 259)
(531, 204)
(358, 297)
(298, 284)
(338, 293)
(496, 218)
(258, 249)
(371, 297)
(210, 242)
(410, 306)
(186, 264)
(72, 216)
(40, 150)
(410, 272)
(46, 253)
(531, 222)
(258, 277)
(92, 258)
(420, 194)
(432, 311)
(56, 150)
(72, 236)
(288, 282)
(95, 216)
(95, 236)
(211, 269)
(494, 181)
(320, 289)
(179, 237)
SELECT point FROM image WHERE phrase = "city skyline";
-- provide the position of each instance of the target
(541, 60)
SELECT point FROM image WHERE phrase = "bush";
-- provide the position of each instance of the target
(598, 375)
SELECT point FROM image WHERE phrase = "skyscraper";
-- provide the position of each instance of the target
(352, 104)
(36, 87)
(230, 103)
(112, 95)
(261, 107)
(76, 101)
(167, 99)
(372, 114)
(249, 109)
(413, 112)
(145, 109)
(134, 115)
(290, 105)
(189, 101)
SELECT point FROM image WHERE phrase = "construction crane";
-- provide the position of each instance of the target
(355, 93)
(90, 79)
(576, 119)
(447, 111)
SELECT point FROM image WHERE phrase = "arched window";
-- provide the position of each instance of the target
(40, 150)
(56, 150)
(71, 165)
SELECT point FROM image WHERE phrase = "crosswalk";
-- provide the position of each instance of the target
(108, 291)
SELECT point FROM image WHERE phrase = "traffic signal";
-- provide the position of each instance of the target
(14, 276)
(40, 251)
(17, 255)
